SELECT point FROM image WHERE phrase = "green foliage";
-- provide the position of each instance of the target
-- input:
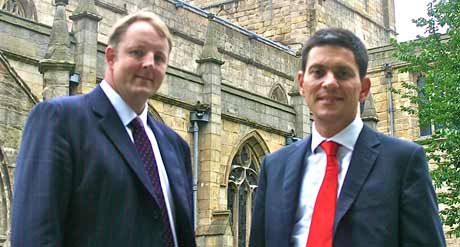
(436, 56)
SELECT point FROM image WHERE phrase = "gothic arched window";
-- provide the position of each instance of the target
(277, 93)
(5, 196)
(13, 6)
(242, 184)
(22, 8)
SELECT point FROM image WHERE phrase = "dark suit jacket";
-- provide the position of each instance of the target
(387, 199)
(79, 180)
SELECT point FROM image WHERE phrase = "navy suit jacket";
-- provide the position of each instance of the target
(79, 180)
(387, 199)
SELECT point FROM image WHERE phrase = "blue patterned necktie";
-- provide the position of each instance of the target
(144, 148)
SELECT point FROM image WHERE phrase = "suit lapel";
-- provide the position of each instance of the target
(176, 177)
(113, 128)
(293, 175)
(362, 162)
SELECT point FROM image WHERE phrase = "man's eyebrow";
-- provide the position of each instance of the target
(316, 65)
(345, 67)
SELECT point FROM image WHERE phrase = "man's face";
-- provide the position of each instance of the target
(137, 66)
(331, 85)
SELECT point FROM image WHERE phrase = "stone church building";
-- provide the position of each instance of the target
(230, 89)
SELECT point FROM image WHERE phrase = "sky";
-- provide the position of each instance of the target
(406, 10)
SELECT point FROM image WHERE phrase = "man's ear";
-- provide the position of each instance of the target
(300, 81)
(365, 89)
(110, 55)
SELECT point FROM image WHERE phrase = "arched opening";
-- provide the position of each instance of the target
(242, 184)
(277, 93)
(22, 8)
(5, 197)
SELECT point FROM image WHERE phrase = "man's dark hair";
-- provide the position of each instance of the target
(338, 37)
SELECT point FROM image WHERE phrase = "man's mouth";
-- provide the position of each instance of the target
(330, 99)
(146, 78)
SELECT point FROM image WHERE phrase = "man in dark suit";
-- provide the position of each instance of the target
(97, 169)
(345, 184)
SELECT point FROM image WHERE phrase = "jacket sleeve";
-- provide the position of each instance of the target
(257, 237)
(420, 224)
(43, 178)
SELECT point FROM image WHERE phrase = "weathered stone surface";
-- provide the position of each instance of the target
(16, 101)
(238, 90)
(291, 22)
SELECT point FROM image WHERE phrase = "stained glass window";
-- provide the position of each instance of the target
(241, 193)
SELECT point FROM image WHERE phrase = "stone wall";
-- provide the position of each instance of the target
(281, 20)
(18, 33)
(292, 22)
(405, 125)
(15, 103)
(364, 18)
(452, 241)
(238, 90)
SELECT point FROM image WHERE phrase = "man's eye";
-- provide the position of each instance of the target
(137, 53)
(342, 75)
(160, 59)
(317, 72)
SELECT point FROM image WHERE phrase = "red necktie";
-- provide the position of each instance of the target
(322, 220)
(144, 147)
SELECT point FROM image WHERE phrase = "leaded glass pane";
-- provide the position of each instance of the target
(242, 218)
(230, 200)
(243, 181)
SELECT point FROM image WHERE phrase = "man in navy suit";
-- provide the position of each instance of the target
(380, 195)
(97, 169)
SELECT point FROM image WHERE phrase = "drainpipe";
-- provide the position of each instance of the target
(200, 114)
(388, 70)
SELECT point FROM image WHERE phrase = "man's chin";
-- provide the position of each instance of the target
(146, 94)
(328, 116)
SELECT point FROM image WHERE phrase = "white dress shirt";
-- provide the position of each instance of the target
(126, 115)
(314, 174)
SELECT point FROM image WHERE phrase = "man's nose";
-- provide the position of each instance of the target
(148, 60)
(330, 81)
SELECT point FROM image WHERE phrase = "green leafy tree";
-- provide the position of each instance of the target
(436, 57)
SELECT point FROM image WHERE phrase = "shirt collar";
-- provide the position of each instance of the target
(123, 110)
(346, 137)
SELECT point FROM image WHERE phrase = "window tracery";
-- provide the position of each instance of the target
(242, 185)
(5, 195)
(13, 6)
(278, 94)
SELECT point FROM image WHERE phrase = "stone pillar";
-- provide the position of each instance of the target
(210, 63)
(58, 63)
(85, 28)
(302, 121)
(368, 112)
(388, 10)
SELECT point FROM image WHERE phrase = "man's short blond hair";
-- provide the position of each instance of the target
(122, 25)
